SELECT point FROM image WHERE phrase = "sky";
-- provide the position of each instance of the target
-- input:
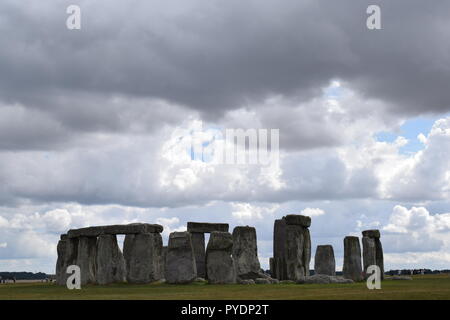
(94, 122)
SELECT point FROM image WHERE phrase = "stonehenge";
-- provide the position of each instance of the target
(96, 252)
(87, 252)
(220, 266)
(352, 259)
(197, 231)
(143, 257)
(324, 262)
(60, 262)
(245, 253)
(180, 260)
(372, 250)
(110, 262)
(292, 247)
(228, 258)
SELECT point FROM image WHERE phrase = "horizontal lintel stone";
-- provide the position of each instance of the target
(206, 227)
(132, 228)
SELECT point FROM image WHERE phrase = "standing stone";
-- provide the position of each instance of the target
(379, 256)
(71, 252)
(306, 250)
(220, 267)
(128, 244)
(61, 262)
(180, 260)
(110, 261)
(297, 246)
(279, 250)
(272, 267)
(372, 250)
(87, 252)
(369, 252)
(163, 261)
(352, 259)
(198, 244)
(143, 255)
(245, 253)
(294, 252)
(324, 262)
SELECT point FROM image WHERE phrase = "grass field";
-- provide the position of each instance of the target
(422, 287)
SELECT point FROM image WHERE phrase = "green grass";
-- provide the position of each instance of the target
(422, 287)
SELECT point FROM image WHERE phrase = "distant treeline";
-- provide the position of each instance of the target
(24, 275)
(416, 271)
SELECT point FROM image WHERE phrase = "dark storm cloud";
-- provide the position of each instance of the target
(219, 55)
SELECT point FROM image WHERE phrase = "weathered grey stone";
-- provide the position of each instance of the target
(180, 260)
(306, 250)
(61, 263)
(287, 282)
(245, 253)
(143, 257)
(371, 233)
(272, 266)
(132, 228)
(63, 236)
(128, 244)
(205, 227)
(163, 260)
(110, 261)
(323, 279)
(249, 281)
(220, 267)
(279, 250)
(273, 281)
(295, 243)
(372, 250)
(369, 252)
(352, 268)
(262, 281)
(297, 219)
(198, 244)
(324, 262)
(200, 279)
(71, 252)
(86, 259)
(379, 256)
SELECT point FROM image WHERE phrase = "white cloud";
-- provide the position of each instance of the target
(312, 212)
(248, 212)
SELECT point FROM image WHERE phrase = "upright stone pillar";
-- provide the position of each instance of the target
(61, 261)
(163, 261)
(298, 246)
(352, 259)
(372, 250)
(198, 244)
(245, 253)
(220, 267)
(279, 250)
(143, 257)
(110, 261)
(86, 259)
(324, 262)
(180, 260)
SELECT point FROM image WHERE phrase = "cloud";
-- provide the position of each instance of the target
(416, 230)
(312, 212)
(426, 174)
(246, 212)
